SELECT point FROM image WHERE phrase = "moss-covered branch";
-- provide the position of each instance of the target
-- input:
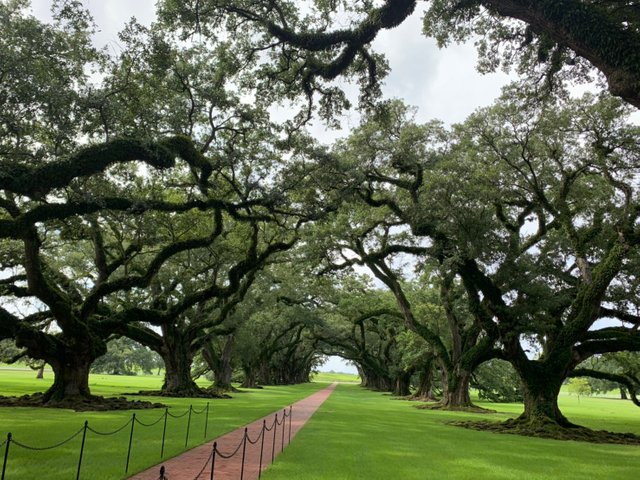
(611, 45)
(37, 181)
(626, 380)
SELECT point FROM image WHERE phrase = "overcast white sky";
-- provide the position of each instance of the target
(441, 84)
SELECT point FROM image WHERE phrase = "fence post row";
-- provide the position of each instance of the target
(164, 434)
(129, 448)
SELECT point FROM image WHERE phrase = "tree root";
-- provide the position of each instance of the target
(420, 398)
(208, 393)
(546, 428)
(79, 403)
(452, 408)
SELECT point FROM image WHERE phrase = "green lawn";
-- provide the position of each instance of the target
(358, 434)
(105, 456)
(331, 377)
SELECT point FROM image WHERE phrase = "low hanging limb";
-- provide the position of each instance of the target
(38, 181)
(626, 379)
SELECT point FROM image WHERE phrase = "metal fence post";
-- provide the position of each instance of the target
(244, 451)
(213, 459)
(273, 445)
(6, 455)
(264, 429)
(164, 431)
(290, 416)
(186, 440)
(206, 420)
(284, 419)
(84, 436)
(133, 422)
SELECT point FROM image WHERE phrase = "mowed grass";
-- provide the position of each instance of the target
(358, 434)
(330, 377)
(105, 456)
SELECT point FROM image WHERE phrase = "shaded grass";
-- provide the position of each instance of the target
(105, 456)
(357, 434)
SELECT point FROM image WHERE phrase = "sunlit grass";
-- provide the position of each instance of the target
(356, 434)
(359, 434)
(330, 377)
(105, 456)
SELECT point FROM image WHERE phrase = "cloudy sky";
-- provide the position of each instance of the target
(441, 84)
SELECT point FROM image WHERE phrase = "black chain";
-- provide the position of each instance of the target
(110, 433)
(177, 416)
(28, 447)
(256, 441)
(218, 452)
(204, 466)
(268, 429)
(149, 424)
(198, 412)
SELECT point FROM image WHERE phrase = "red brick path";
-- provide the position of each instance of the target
(189, 464)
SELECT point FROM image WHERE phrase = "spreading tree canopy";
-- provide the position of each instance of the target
(311, 44)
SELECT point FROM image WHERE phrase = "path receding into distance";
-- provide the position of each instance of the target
(189, 464)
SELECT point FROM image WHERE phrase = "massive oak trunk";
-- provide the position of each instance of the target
(403, 384)
(250, 377)
(71, 379)
(375, 381)
(223, 376)
(178, 359)
(541, 387)
(220, 365)
(70, 358)
(71, 363)
(456, 389)
(424, 390)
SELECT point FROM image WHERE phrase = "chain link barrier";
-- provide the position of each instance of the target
(204, 467)
(86, 428)
(113, 432)
(253, 442)
(139, 422)
(246, 438)
(178, 416)
(41, 449)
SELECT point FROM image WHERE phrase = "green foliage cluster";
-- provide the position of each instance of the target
(497, 381)
(126, 357)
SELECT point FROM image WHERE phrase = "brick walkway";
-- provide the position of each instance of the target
(189, 464)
